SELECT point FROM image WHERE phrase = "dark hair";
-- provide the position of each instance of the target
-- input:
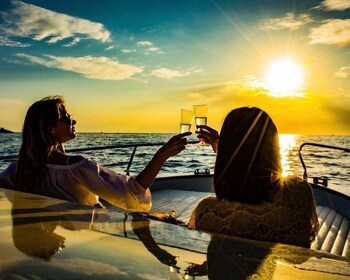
(248, 163)
(37, 142)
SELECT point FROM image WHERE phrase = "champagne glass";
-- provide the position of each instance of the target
(200, 114)
(186, 120)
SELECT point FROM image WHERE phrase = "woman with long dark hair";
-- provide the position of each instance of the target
(43, 167)
(253, 200)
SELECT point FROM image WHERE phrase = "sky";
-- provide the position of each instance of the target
(131, 66)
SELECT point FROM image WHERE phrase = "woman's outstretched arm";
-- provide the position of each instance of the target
(174, 146)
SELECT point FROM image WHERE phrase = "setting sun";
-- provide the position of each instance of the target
(137, 69)
(284, 77)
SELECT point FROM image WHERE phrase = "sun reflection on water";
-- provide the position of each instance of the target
(287, 145)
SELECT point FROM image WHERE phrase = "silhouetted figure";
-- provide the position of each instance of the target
(253, 200)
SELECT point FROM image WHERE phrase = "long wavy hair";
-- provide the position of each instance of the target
(248, 164)
(37, 143)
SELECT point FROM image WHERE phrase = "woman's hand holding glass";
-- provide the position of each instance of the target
(175, 145)
(210, 135)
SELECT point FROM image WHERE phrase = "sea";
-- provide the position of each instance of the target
(334, 165)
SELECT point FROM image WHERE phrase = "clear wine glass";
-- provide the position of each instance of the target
(186, 120)
(200, 114)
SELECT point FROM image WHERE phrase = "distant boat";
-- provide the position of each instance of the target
(3, 130)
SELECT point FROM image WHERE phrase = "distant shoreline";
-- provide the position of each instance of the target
(3, 130)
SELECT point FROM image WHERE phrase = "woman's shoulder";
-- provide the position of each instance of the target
(74, 159)
(294, 183)
(206, 203)
(295, 179)
(209, 200)
(296, 190)
(59, 158)
(72, 162)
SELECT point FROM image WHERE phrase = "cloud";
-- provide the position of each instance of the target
(343, 72)
(197, 70)
(166, 73)
(341, 112)
(144, 43)
(150, 48)
(11, 102)
(100, 68)
(153, 49)
(169, 74)
(334, 5)
(109, 48)
(74, 42)
(289, 21)
(333, 31)
(231, 92)
(6, 42)
(127, 50)
(30, 21)
(194, 95)
(246, 85)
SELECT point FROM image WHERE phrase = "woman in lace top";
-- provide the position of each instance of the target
(44, 168)
(253, 200)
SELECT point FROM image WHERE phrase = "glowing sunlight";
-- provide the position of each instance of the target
(287, 145)
(283, 78)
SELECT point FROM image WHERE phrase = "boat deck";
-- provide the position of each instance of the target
(47, 238)
(333, 236)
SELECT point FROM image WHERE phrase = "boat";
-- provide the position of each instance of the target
(47, 238)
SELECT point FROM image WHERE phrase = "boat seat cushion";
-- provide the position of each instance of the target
(333, 236)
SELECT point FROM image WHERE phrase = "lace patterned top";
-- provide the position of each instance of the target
(290, 219)
(86, 181)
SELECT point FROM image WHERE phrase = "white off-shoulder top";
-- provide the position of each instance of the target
(85, 182)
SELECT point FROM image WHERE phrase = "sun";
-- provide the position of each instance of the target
(284, 77)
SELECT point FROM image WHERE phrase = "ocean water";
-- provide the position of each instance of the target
(333, 164)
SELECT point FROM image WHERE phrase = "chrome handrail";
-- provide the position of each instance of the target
(305, 176)
(117, 146)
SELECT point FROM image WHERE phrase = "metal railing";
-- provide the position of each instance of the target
(136, 145)
(98, 148)
(317, 179)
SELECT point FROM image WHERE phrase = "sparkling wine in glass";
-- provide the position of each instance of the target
(200, 114)
(186, 120)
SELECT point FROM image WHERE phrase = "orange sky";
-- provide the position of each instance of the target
(128, 68)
